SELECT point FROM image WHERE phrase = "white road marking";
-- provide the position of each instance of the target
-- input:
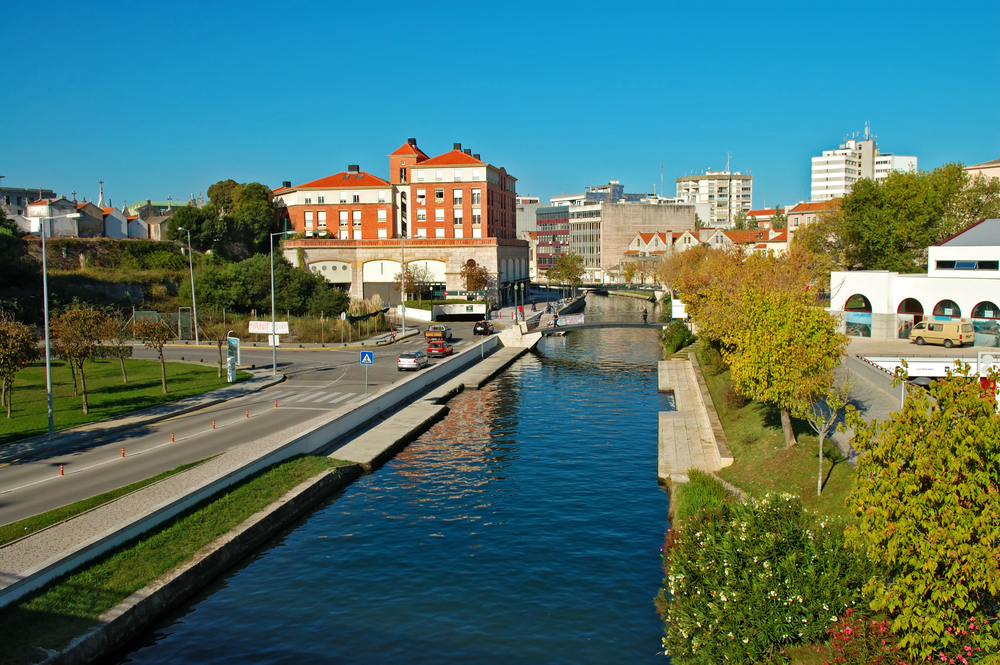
(308, 397)
(341, 398)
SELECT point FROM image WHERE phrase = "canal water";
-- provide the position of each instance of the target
(525, 527)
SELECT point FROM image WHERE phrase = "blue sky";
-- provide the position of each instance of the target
(163, 99)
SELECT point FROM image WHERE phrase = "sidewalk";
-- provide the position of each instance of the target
(90, 434)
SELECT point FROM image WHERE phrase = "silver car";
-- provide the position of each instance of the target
(411, 360)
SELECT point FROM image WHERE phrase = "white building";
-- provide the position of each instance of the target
(962, 281)
(724, 192)
(835, 171)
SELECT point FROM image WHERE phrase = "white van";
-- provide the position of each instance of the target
(949, 333)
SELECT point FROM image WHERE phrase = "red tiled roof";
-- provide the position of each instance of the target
(453, 158)
(816, 207)
(40, 202)
(278, 191)
(132, 217)
(646, 237)
(631, 251)
(108, 211)
(760, 246)
(766, 212)
(80, 205)
(678, 234)
(345, 180)
(407, 150)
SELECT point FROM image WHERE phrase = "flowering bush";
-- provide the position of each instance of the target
(857, 641)
(744, 580)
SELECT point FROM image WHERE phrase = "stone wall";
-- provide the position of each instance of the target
(621, 222)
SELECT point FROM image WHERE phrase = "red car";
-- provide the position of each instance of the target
(439, 348)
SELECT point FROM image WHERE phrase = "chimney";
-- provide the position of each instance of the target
(412, 142)
(287, 184)
(457, 146)
(468, 151)
(476, 156)
(353, 168)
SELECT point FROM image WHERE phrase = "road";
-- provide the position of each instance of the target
(318, 380)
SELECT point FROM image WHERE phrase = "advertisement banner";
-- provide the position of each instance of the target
(264, 327)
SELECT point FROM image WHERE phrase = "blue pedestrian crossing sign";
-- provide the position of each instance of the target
(367, 358)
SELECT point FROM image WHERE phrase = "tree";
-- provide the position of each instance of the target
(927, 499)
(822, 414)
(223, 195)
(213, 326)
(740, 221)
(778, 220)
(422, 276)
(80, 330)
(329, 301)
(114, 331)
(15, 265)
(404, 282)
(569, 269)
(698, 222)
(475, 276)
(629, 270)
(820, 244)
(18, 349)
(154, 334)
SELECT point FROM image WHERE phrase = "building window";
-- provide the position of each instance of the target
(458, 175)
(322, 219)
(309, 219)
(458, 231)
(458, 217)
(421, 215)
(357, 234)
(402, 174)
(420, 176)
(477, 216)
(382, 216)
(320, 199)
(477, 197)
(438, 233)
(357, 197)
(475, 174)
(438, 196)
(344, 234)
(477, 233)
(439, 214)
(421, 233)
(381, 196)
(439, 175)
(308, 200)
(422, 197)
(457, 197)
(343, 197)
(383, 233)
(357, 218)
(343, 218)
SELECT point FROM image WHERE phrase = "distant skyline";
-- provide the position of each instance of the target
(165, 99)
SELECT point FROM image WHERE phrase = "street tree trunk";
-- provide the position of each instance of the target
(819, 478)
(786, 427)
(7, 390)
(163, 373)
(121, 359)
(72, 370)
(83, 391)
(220, 360)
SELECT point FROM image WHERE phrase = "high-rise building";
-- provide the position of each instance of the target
(725, 193)
(835, 171)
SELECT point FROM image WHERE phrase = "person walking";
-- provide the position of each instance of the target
(644, 315)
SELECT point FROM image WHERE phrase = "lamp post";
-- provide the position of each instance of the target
(194, 305)
(45, 307)
(402, 279)
(274, 335)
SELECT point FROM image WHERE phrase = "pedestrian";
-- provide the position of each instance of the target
(533, 306)
(520, 311)
(644, 314)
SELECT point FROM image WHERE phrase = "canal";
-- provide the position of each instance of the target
(525, 527)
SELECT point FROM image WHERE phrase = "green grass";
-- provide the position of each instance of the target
(107, 396)
(22, 528)
(51, 617)
(702, 491)
(763, 464)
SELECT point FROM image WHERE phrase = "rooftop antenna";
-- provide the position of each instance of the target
(100, 200)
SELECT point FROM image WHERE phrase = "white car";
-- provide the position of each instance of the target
(411, 360)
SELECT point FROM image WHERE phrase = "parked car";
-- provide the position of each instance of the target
(438, 331)
(483, 328)
(439, 348)
(411, 360)
(949, 333)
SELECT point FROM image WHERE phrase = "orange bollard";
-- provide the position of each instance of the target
(171, 437)
(276, 404)
(61, 470)
(248, 413)
(123, 451)
(213, 424)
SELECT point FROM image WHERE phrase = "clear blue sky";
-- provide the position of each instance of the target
(167, 98)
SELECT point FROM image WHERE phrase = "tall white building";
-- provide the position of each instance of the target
(835, 171)
(724, 192)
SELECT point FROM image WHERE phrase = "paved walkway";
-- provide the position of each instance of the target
(686, 437)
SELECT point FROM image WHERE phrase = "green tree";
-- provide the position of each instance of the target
(223, 195)
(822, 414)
(740, 221)
(927, 501)
(254, 217)
(213, 327)
(698, 222)
(115, 332)
(154, 335)
(18, 349)
(80, 331)
(779, 220)
(208, 230)
(629, 271)
(15, 265)
(569, 269)
(328, 301)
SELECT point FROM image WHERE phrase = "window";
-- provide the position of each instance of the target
(357, 234)
(422, 197)
(420, 176)
(309, 219)
(344, 234)
(320, 199)
(458, 232)
(381, 196)
(438, 233)
(458, 175)
(383, 233)
(458, 217)
(439, 214)
(308, 200)
(343, 218)
(402, 174)
(382, 216)
(357, 218)
(421, 233)
(477, 233)
(439, 175)
(475, 174)
(457, 197)
(477, 216)
(438, 196)
(343, 197)
(421, 215)
(357, 197)
(322, 219)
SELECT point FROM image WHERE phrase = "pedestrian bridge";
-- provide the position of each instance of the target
(564, 324)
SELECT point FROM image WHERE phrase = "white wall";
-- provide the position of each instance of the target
(886, 290)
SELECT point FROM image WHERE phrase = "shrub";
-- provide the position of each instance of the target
(701, 492)
(732, 400)
(858, 641)
(744, 580)
(676, 337)
(714, 360)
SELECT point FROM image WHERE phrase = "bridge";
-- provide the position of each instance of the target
(571, 322)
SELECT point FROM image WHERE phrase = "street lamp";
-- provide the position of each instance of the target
(194, 305)
(274, 335)
(45, 300)
(402, 279)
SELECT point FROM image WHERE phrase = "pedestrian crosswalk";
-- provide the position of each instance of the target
(420, 341)
(312, 397)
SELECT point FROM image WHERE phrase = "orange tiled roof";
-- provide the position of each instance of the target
(108, 211)
(453, 158)
(133, 217)
(766, 212)
(631, 251)
(40, 202)
(816, 207)
(407, 150)
(80, 205)
(646, 237)
(345, 180)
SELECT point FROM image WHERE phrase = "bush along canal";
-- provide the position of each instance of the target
(524, 527)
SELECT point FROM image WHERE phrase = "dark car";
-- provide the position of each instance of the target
(439, 348)
(483, 328)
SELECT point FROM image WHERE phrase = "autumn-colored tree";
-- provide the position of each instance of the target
(475, 276)
(405, 282)
(569, 270)
(629, 271)
(927, 501)
(18, 349)
(154, 335)
(80, 331)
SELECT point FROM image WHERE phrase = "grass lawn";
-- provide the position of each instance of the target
(107, 396)
(25, 527)
(763, 464)
(54, 615)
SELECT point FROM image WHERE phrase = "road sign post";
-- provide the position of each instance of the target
(367, 359)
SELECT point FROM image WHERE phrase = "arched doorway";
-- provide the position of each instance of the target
(986, 320)
(909, 313)
(858, 316)
(947, 310)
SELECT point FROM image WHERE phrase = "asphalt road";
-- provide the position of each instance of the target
(318, 380)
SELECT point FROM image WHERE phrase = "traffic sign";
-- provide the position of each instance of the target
(367, 358)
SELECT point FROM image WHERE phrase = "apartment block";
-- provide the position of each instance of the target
(835, 171)
(724, 192)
